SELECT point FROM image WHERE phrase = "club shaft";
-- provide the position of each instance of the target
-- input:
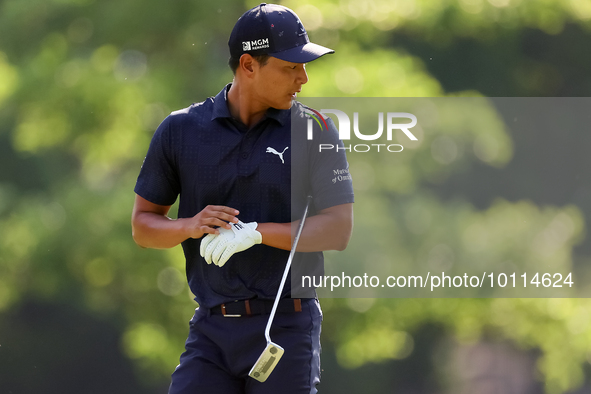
(286, 272)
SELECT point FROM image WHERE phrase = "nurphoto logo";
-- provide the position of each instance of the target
(317, 117)
(344, 128)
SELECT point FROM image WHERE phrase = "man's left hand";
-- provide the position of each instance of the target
(218, 249)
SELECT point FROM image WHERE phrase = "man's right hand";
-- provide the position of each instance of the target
(212, 216)
(152, 228)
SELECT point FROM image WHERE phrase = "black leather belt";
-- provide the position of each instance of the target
(256, 307)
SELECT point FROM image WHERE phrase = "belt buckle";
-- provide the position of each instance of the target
(226, 314)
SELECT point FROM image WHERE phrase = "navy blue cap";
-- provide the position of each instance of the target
(274, 30)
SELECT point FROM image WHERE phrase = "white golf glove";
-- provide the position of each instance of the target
(219, 248)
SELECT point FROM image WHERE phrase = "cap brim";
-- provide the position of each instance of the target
(302, 54)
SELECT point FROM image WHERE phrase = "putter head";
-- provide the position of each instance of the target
(266, 362)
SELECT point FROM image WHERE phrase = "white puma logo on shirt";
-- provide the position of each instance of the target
(273, 151)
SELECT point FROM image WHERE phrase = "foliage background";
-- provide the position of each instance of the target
(84, 83)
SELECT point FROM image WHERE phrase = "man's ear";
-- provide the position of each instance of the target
(247, 65)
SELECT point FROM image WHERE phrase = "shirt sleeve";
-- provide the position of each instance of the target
(158, 181)
(330, 179)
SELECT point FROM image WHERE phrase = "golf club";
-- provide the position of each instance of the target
(273, 352)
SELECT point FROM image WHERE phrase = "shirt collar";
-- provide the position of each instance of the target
(221, 110)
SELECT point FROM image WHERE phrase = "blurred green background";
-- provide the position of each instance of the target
(84, 83)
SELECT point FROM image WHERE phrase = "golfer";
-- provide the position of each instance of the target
(242, 183)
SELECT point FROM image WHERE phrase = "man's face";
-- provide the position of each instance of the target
(277, 82)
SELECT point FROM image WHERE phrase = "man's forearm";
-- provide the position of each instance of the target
(152, 230)
(328, 230)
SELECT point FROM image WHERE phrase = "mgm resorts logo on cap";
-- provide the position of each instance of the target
(255, 44)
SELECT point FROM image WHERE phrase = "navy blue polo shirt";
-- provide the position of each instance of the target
(208, 158)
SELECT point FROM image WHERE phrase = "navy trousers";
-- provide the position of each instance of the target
(220, 351)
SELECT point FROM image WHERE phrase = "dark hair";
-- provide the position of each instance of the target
(234, 63)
